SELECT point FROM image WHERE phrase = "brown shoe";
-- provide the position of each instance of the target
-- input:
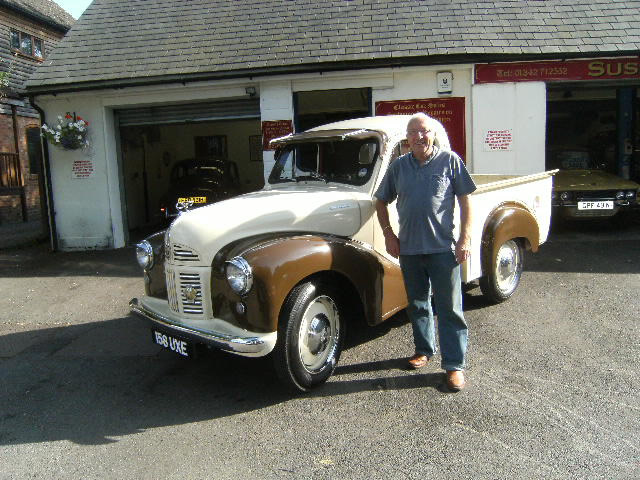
(455, 380)
(417, 361)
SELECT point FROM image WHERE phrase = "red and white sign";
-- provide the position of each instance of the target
(82, 169)
(275, 129)
(595, 69)
(449, 111)
(498, 140)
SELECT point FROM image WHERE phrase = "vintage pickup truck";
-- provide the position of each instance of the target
(284, 270)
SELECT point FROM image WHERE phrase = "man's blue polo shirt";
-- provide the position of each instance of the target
(426, 199)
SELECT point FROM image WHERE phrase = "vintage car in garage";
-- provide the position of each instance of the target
(280, 273)
(583, 189)
(196, 182)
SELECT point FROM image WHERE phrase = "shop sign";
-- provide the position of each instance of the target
(449, 111)
(594, 69)
(275, 129)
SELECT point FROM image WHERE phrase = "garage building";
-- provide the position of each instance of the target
(512, 81)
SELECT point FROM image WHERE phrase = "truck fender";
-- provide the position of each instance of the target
(280, 263)
(507, 221)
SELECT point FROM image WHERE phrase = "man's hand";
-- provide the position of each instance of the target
(392, 243)
(463, 249)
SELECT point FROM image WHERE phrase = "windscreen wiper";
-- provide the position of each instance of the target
(312, 176)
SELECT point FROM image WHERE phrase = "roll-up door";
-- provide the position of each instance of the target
(190, 112)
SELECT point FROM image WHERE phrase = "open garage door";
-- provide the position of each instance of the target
(203, 151)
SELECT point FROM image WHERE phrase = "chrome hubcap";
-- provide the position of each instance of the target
(318, 335)
(507, 262)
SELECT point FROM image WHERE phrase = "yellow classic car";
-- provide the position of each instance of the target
(583, 190)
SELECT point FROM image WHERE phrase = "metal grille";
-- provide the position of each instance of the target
(598, 195)
(191, 293)
(184, 254)
(171, 290)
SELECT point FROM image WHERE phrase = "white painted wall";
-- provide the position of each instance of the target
(276, 103)
(518, 108)
(83, 207)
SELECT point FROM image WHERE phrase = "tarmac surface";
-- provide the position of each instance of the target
(552, 382)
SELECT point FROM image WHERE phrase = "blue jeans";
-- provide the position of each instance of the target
(442, 272)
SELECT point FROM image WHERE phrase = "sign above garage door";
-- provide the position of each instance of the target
(190, 112)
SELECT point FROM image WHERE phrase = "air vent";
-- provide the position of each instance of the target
(184, 254)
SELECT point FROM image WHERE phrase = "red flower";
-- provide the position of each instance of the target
(79, 117)
(68, 116)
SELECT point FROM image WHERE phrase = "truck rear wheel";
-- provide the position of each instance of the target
(504, 276)
(310, 335)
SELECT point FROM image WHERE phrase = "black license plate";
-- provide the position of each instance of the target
(175, 344)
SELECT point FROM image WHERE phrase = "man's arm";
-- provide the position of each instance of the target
(390, 240)
(463, 245)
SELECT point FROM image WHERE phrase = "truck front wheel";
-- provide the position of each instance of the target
(501, 281)
(310, 335)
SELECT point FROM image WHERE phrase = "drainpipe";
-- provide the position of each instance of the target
(46, 171)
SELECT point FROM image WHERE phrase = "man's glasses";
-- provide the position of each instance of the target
(412, 132)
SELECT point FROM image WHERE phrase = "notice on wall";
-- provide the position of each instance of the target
(498, 140)
(82, 169)
(275, 129)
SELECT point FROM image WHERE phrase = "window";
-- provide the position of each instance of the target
(26, 44)
(34, 149)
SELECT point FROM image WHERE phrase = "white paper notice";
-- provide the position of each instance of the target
(82, 169)
(498, 140)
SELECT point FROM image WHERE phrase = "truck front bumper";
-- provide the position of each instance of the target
(234, 340)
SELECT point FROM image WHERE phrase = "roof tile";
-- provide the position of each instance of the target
(205, 36)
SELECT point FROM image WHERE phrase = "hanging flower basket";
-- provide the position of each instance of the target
(69, 133)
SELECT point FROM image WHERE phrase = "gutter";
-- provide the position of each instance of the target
(317, 67)
(46, 171)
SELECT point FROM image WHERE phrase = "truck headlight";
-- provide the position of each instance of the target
(144, 254)
(239, 275)
(565, 196)
(619, 195)
(631, 195)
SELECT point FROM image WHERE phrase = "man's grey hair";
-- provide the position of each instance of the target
(441, 139)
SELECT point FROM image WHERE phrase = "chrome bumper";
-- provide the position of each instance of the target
(252, 345)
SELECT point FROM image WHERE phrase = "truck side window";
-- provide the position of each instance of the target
(400, 149)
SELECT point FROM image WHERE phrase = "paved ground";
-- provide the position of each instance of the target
(553, 385)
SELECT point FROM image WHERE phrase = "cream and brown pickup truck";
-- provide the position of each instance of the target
(285, 270)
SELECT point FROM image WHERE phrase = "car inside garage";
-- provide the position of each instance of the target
(202, 152)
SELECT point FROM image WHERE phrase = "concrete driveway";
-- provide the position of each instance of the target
(552, 393)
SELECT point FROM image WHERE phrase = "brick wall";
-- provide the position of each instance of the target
(10, 205)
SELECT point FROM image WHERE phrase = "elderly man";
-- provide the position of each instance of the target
(426, 182)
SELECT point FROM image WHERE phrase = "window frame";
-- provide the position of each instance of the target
(33, 40)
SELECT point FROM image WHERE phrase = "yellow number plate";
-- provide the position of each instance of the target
(193, 199)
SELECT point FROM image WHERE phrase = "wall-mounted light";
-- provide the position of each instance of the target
(445, 82)
(251, 91)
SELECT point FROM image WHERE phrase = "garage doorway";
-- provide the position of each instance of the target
(161, 145)
(603, 121)
(318, 107)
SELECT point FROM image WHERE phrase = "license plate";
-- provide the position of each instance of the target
(601, 205)
(177, 345)
(193, 199)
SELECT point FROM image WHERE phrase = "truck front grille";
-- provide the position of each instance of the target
(184, 290)
(191, 293)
